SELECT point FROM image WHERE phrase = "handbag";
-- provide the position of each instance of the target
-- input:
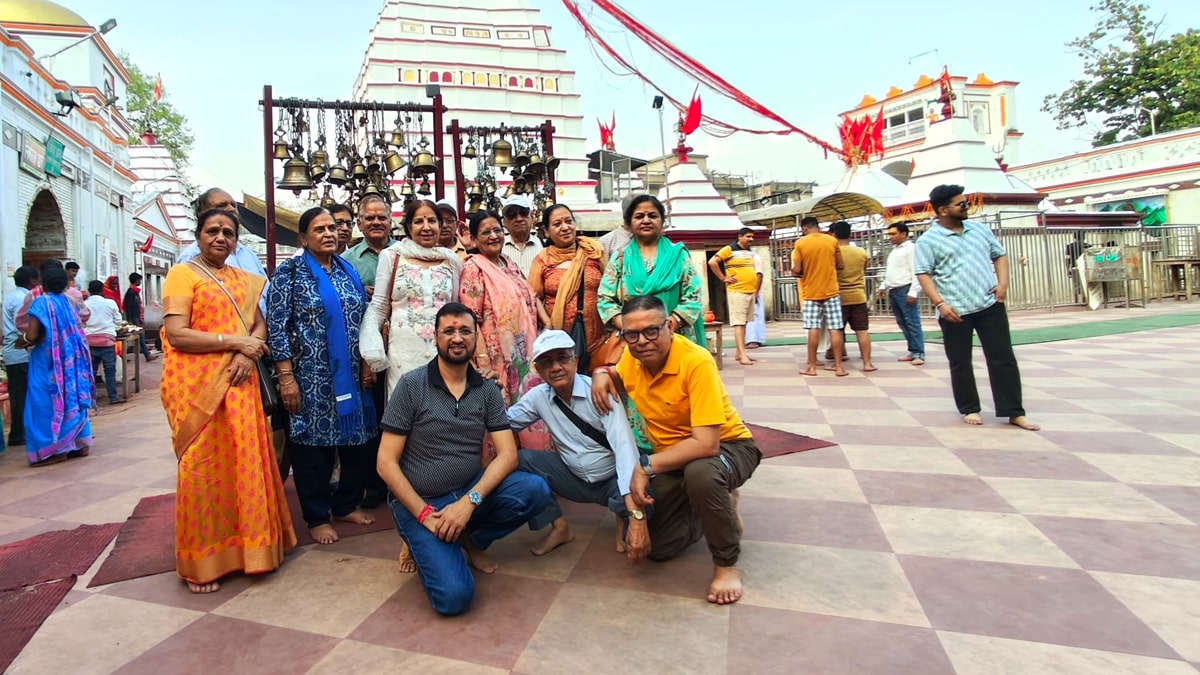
(386, 329)
(578, 332)
(611, 351)
(268, 379)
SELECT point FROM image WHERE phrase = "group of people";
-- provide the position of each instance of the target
(451, 383)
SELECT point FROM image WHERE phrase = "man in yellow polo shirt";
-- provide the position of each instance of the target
(742, 283)
(701, 450)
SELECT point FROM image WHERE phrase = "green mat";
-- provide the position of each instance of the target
(1028, 336)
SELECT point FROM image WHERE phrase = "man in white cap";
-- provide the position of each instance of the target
(520, 245)
(448, 233)
(596, 452)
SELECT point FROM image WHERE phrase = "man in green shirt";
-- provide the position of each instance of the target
(852, 288)
(375, 223)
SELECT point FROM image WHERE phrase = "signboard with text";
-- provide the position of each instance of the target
(33, 155)
(54, 156)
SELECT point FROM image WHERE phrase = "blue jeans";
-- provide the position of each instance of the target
(441, 565)
(908, 317)
(107, 356)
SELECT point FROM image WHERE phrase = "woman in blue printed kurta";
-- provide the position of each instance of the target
(314, 310)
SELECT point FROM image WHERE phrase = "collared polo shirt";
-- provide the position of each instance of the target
(899, 271)
(522, 256)
(587, 459)
(961, 264)
(365, 260)
(444, 435)
(687, 392)
(739, 264)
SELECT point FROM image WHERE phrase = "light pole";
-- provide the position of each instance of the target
(102, 30)
(1151, 112)
(143, 184)
(662, 140)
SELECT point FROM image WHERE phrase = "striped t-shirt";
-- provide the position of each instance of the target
(961, 264)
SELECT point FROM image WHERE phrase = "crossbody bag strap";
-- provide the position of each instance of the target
(224, 290)
(587, 429)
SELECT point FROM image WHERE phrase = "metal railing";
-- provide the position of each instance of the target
(1042, 263)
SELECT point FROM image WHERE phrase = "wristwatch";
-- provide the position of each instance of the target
(637, 514)
(645, 459)
(475, 497)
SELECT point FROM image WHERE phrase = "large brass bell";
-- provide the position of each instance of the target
(470, 152)
(502, 153)
(295, 176)
(320, 157)
(475, 191)
(392, 197)
(393, 162)
(281, 150)
(317, 170)
(536, 166)
(521, 159)
(397, 137)
(423, 164)
(371, 189)
(359, 171)
(337, 175)
(551, 163)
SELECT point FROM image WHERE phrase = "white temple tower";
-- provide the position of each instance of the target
(495, 62)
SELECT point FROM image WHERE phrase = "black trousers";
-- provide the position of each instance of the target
(376, 489)
(18, 384)
(991, 325)
(311, 467)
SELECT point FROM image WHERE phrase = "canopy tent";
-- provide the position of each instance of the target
(253, 213)
(837, 206)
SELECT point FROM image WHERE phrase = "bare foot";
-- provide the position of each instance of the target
(356, 516)
(726, 586)
(906, 359)
(478, 559)
(810, 372)
(1020, 421)
(323, 534)
(735, 497)
(198, 589)
(918, 362)
(840, 372)
(560, 533)
(745, 360)
(407, 564)
(973, 419)
(622, 526)
(869, 368)
(831, 368)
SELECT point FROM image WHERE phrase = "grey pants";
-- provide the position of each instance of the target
(567, 485)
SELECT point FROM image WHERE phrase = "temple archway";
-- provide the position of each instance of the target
(45, 232)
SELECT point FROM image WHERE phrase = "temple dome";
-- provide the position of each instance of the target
(39, 11)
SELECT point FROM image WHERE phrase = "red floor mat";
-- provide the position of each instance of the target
(22, 612)
(52, 555)
(774, 443)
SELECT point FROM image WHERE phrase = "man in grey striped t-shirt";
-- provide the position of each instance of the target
(964, 270)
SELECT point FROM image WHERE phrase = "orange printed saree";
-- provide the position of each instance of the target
(230, 512)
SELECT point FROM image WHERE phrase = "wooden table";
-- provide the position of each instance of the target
(1167, 273)
(716, 346)
(130, 350)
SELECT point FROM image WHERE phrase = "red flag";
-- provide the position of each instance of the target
(145, 248)
(158, 88)
(691, 121)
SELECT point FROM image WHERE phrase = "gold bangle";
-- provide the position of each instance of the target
(220, 340)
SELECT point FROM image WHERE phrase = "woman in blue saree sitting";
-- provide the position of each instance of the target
(60, 375)
(314, 310)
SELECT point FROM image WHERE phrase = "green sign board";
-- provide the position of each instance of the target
(54, 156)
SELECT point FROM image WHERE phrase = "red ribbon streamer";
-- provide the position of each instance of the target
(690, 67)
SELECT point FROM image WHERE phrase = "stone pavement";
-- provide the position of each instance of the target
(917, 545)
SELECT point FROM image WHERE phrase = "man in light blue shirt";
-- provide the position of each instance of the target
(596, 451)
(16, 361)
(964, 270)
(244, 258)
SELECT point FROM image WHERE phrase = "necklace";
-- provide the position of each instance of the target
(214, 271)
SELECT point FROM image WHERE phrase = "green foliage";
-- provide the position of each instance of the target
(1128, 67)
(160, 117)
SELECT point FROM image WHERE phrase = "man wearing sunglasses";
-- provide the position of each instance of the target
(964, 270)
(701, 450)
(596, 451)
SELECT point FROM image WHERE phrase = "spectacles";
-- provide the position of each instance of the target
(961, 205)
(461, 332)
(516, 211)
(651, 334)
(563, 359)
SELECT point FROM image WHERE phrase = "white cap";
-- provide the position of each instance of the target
(516, 200)
(448, 204)
(550, 340)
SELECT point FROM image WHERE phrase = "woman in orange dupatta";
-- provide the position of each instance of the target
(230, 512)
(559, 269)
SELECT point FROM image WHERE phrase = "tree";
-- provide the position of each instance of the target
(159, 117)
(1131, 73)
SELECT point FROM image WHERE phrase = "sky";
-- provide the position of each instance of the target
(806, 61)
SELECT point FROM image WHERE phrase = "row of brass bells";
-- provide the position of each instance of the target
(281, 150)
(295, 176)
(470, 152)
(502, 153)
(423, 164)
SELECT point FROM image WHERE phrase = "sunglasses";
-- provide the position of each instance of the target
(549, 360)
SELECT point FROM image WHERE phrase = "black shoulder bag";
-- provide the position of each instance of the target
(587, 429)
(578, 331)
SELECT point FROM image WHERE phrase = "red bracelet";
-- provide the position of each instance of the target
(424, 514)
(608, 370)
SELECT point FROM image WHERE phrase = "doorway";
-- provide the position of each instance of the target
(45, 231)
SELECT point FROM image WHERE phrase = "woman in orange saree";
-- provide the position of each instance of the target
(230, 511)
